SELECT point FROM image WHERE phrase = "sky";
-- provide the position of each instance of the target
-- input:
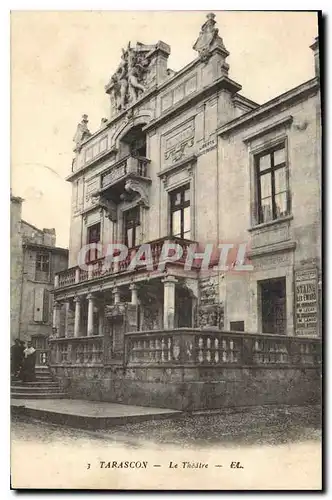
(60, 62)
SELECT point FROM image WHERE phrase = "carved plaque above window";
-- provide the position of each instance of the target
(179, 142)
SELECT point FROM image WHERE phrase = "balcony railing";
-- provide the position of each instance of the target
(102, 267)
(191, 348)
(216, 348)
(128, 166)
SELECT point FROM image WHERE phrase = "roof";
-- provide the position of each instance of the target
(49, 248)
(31, 225)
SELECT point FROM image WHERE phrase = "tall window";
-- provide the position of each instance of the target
(131, 227)
(272, 184)
(93, 237)
(180, 212)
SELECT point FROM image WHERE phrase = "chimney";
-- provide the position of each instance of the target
(315, 48)
(49, 237)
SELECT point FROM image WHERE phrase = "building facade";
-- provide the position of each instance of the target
(185, 158)
(34, 262)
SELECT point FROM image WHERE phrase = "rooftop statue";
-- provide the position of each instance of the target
(207, 36)
(128, 80)
(82, 132)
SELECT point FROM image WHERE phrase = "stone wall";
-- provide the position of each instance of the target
(192, 388)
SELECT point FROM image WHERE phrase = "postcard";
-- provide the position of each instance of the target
(166, 270)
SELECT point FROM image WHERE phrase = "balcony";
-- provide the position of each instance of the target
(102, 268)
(114, 184)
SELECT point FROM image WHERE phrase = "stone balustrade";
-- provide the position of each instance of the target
(77, 351)
(216, 348)
(190, 347)
(42, 357)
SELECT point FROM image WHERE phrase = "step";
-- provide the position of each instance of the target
(48, 395)
(89, 414)
(37, 383)
(30, 390)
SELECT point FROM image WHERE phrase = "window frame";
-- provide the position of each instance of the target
(41, 262)
(257, 155)
(92, 253)
(180, 208)
(133, 224)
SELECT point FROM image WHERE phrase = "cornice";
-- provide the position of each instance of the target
(221, 83)
(292, 95)
(176, 166)
(286, 121)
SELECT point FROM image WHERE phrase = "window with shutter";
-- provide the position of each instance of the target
(46, 306)
(38, 305)
(41, 305)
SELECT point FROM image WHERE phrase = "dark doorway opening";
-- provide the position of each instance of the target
(184, 308)
(135, 140)
(273, 306)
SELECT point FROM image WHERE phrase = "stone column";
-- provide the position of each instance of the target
(116, 293)
(134, 299)
(101, 321)
(67, 306)
(56, 317)
(169, 301)
(77, 326)
(91, 304)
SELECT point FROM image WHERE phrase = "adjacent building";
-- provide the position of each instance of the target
(35, 259)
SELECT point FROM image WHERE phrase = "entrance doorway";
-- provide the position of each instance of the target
(273, 306)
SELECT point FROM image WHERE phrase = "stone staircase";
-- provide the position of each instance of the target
(44, 387)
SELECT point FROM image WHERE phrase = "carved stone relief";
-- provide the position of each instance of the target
(211, 316)
(178, 142)
(130, 79)
(210, 312)
(109, 207)
(138, 187)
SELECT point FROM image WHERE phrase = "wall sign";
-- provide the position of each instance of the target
(306, 302)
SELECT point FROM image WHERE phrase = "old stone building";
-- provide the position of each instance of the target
(34, 261)
(185, 158)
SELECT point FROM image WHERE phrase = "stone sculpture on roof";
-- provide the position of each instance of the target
(82, 132)
(128, 82)
(208, 38)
